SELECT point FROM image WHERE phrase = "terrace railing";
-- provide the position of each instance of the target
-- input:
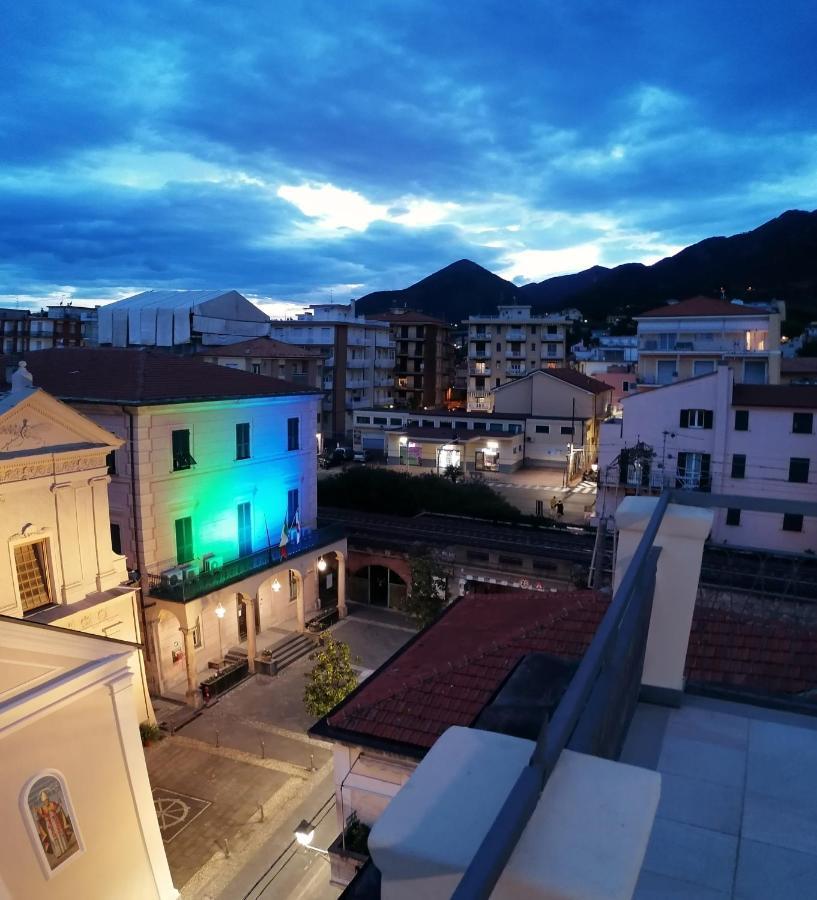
(196, 585)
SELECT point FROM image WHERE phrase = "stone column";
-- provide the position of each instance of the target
(249, 612)
(300, 599)
(681, 539)
(102, 536)
(155, 675)
(192, 695)
(68, 541)
(342, 610)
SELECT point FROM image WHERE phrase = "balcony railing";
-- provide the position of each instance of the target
(477, 370)
(592, 717)
(515, 334)
(197, 585)
(738, 347)
(515, 354)
(357, 363)
(484, 335)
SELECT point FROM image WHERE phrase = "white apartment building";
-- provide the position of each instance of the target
(59, 567)
(212, 497)
(510, 345)
(358, 368)
(687, 339)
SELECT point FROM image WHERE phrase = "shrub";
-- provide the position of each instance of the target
(332, 678)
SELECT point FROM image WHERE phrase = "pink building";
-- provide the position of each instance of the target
(710, 434)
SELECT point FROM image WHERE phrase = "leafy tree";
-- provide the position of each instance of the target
(453, 473)
(331, 679)
(428, 594)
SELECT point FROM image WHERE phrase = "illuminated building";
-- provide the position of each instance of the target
(218, 468)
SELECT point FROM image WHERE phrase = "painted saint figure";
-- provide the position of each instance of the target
(53, 823)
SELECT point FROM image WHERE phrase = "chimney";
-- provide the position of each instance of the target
(22, 380)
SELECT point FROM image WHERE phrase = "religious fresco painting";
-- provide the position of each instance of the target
(51, 817)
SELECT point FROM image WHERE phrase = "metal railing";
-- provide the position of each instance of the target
(589, 716)
(197, 585)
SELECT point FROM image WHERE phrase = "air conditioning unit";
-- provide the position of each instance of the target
(179, 573)
(212, 563)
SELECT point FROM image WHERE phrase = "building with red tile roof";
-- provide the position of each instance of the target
(295, 363)
(702, 307)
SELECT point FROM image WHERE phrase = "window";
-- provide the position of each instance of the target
(703, 367)
(486, 461)
(479, 426)
(625, 386)
(379, 420)
(184, 540)
(533, 347)
(543, 429)
(792, 522)
(116, 539)
(31, 562)
(477, 555)
(693, 472)
(110, 461)
(552, 329)
(665, 371)
(244, 517)
(566, 429)
(551, 349)
(510, 560)
(497, 382)
(395, 421)
(738, 465)
(798, 469)
(255, 368)
(293, 434)
(498, 347)
(733, 517)
(741, 420)
(495, 426)
(696, 418)
(293, 586)
(366, 420)
(292, 506)
(532, 329)
(182, 458)
(197, 641)
(463, 425)
(802, 423)
(543, 566)
(428, 423)
(242, 440)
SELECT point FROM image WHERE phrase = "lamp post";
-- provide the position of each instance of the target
(321, 565)
(305, 834)
(220, 611)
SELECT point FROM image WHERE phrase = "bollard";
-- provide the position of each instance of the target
(217, 739)
(263, 751)
(261, 810)
(311, 762)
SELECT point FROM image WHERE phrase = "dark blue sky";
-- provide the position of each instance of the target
(292, 149)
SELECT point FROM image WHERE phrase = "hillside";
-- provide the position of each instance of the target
(778, 259)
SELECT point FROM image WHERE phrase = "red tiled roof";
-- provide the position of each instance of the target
(783, 396)
(702, 306)
(579, 380)
(448, 675)
(263, 348)
(769, 657)
(453, 670)
(140, 376)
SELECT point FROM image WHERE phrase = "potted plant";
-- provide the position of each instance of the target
(150, 733)
(349, 851)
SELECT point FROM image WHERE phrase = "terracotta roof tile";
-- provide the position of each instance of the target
(144, 377)
(262, 348)
(702, 307)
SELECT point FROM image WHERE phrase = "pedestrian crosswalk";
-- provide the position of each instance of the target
(584, 487)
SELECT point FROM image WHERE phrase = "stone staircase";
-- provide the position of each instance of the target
(283, 653)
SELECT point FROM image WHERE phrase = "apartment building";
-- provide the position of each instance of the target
(716, 435)
(265, 356)
(687, 339)
(63, 325)
(424, 358)
(358, 367)
(212, 499)
(510, 345)
(60, 567)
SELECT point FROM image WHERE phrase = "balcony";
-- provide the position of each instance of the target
(197, 585)
(357, 363)
(557, 352)
(515, 334)
(479, 354)
(516, 371)
(384, 362)
(516, 354)
(479, 370)
(485, 335)
(737, 346)
(715, 798)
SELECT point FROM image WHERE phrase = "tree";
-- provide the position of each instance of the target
(453, 473)
(428, 594)
(331, 679)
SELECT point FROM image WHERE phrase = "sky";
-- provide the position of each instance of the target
(301, 151)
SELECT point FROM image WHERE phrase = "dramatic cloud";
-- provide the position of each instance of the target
(304, 150)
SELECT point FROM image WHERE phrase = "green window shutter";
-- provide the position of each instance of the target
(708, 418)
(184, 540)
(684, 422)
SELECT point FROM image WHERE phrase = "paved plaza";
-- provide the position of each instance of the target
(231, 785)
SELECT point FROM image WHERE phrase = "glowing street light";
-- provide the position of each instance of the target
(276, 584)
(220, 613)
(321, 565)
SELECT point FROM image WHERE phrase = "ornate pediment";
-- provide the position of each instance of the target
(38, 424)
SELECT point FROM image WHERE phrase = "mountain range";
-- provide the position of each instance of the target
(776, 260)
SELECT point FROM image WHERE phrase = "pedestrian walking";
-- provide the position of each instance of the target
(553, 503)
(560, 509)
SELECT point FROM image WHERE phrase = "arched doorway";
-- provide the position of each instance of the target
(379, 586)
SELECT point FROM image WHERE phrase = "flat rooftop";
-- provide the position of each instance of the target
(738, 815)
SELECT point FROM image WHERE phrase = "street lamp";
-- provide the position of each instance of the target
(220, 611)
(321, 565)
(276, 584)
(305, 834)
